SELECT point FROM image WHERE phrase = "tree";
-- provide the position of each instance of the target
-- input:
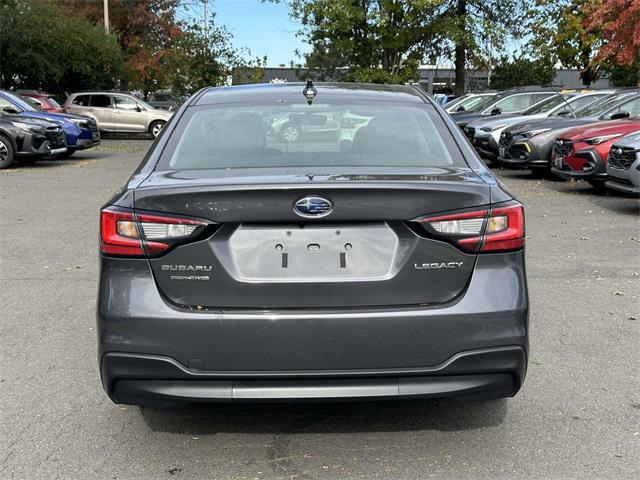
(463, 25)
(520, 71)
(79, 55)
(381, 41)
(559, 33)
(200, 59)
(618, 23)
(146, 30)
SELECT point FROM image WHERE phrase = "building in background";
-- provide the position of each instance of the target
(435, 79)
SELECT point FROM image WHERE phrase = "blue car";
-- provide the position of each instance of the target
(80, 132)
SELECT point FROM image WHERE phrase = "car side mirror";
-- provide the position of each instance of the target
(564, 113)
(461, 109)
(496, 111)
(620, 114)
(138, 109)
(10, 110)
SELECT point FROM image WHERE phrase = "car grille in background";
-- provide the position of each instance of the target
(55, 135)
(622, 157)
(562, 147)
(470, 132)
(506, 139)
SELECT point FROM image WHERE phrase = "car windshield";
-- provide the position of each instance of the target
(18, 102)
(596, 108)
(378, 134)
(546, 105)
(474, 104)
(53, 102)
(31, 101)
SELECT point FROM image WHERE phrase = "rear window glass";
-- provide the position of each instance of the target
(82, 100)
(300, 135)
(101, 101)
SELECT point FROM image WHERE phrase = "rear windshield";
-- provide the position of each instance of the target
(299, 135)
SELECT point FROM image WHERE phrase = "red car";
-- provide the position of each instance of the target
(45, 101)
(581, 152)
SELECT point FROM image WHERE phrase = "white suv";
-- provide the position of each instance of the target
(118, 112)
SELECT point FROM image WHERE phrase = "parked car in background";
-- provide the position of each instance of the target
(484, 133)
(235, 268)
(623, 165)
(164, 100)
(529, 144)
(44, 101)
(80, 132)
(581, 152)
(508, 101)
(28, 138)
(471, 103)
(118, 112)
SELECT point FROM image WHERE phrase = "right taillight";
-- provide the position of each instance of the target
(498, 229)
(126, 233)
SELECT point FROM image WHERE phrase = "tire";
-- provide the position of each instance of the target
(7, 153)
(290, 133)
(156, 127)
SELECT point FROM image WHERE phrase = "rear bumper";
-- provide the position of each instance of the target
(153, 380)
(152, 350)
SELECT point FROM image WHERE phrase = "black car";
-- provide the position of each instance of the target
(529, 144)
(22, 137)
(236, 266)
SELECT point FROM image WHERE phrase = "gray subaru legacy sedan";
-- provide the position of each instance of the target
(373, 256)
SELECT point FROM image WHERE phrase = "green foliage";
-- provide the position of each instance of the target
(625, 76)
(201, 59)
(384, 41)
(42, 47)
(522, 71)
(558, 32)
(381, 41)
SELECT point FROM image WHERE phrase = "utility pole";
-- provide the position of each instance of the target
(106, 16)
(205, 20)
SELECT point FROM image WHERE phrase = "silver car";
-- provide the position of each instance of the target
(118, 112)
(623, 166)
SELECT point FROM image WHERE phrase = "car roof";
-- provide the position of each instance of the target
(325, 92)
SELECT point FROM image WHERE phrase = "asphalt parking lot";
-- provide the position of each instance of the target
(577, 417)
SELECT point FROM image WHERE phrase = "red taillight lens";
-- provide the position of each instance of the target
(505, 229)
(129, 234)
(119, 234)
(500, 229)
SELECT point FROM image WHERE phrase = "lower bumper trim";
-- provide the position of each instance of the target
(168, 392)
(148, 380)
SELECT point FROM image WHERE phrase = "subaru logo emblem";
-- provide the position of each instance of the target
(313, 207)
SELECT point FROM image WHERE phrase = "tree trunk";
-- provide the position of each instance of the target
(460, 69)
(461, 47)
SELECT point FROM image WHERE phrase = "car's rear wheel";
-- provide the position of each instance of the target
(156, 127)
(7, 155)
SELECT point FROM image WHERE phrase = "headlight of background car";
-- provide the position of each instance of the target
(601, 138)
(493, 128)
(533, 133)
(27, 127)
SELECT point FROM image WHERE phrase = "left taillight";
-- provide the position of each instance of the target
(498, 229)
(126, 233)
